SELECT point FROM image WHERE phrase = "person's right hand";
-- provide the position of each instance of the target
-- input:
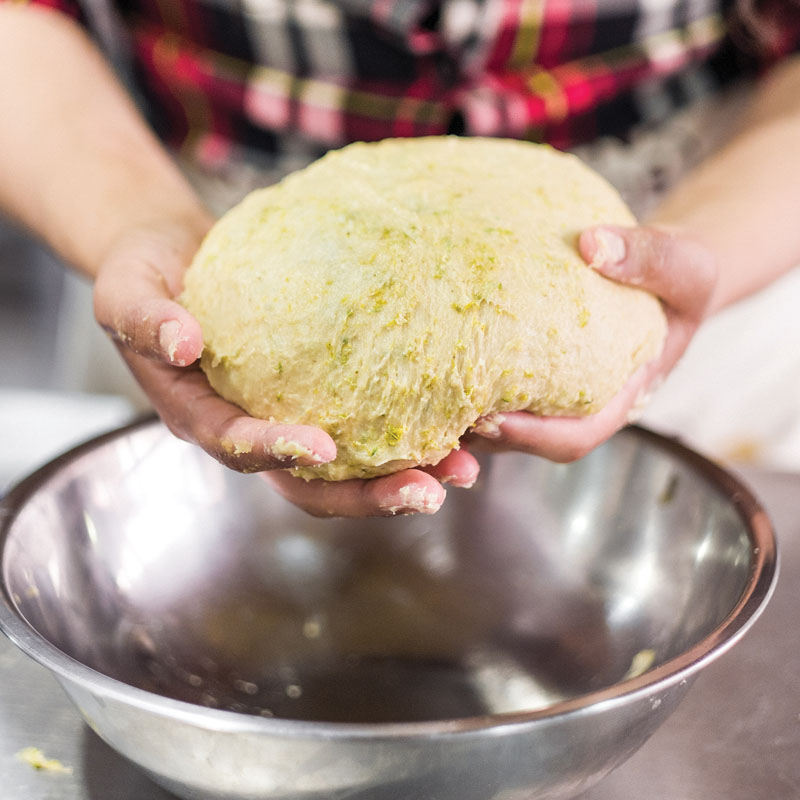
(134, 298)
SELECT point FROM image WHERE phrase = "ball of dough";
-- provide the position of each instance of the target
(392, 293)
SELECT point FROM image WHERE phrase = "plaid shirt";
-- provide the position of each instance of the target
(229, 79)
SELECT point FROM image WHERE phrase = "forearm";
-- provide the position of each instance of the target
(78, 164)
(743, 202)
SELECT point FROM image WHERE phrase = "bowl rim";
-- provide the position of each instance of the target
(761, 582)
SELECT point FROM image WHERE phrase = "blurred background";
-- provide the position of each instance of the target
(61, 380)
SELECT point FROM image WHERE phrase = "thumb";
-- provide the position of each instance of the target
(677, 269)
(134, 298)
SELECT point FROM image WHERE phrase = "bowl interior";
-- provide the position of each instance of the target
(145, 560)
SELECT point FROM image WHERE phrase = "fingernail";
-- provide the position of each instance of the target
(489, 426)
(610, 249)
(295, 453)
(169, 337)
(457, 481)
(413, 500)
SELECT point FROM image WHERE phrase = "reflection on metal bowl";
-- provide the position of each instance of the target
(520, 643)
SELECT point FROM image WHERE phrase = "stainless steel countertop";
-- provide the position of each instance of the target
(735, 737)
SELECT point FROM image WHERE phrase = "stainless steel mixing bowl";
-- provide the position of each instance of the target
(519, 644)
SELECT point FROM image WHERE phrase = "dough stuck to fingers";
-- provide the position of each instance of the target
(394, 293)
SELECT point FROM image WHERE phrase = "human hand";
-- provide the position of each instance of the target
(683, 274)
(134, 298)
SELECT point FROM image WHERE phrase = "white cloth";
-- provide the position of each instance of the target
(735, 395)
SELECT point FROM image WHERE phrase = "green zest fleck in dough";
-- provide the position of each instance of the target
(394, 433)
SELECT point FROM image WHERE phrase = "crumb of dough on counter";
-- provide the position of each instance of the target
(37, 759)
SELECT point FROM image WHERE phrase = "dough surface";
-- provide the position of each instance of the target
(393, 293)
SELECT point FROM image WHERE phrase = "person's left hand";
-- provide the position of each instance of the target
(683, 274)
(135, 301)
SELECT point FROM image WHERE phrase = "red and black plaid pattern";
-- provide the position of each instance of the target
(231, 78)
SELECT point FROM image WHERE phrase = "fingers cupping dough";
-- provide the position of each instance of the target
(566, 439)
(193, 411)
(407, 492)
(459, 468)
